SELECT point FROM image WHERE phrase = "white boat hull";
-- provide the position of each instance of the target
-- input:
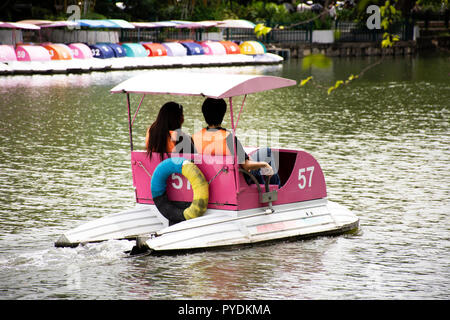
(217, 228)
(225, 228)
(141, 220)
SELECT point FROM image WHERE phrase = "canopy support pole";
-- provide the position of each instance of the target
(235, 158)
(240, 111)
(137, 110)
(129, 122)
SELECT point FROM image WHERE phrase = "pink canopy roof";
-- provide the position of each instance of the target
(80, 51)
(35, 22)
(49, 23)
(200, 84)
(18, 25)
(213, 48)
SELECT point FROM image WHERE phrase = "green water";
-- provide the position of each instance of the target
(382, 142)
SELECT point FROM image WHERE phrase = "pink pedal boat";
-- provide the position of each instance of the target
(237, 213)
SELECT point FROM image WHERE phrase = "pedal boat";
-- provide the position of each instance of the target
(237, 213)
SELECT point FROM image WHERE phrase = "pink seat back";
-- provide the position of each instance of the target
(218, 171)
(301, 177)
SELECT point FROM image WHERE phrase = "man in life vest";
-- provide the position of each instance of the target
(215, 140)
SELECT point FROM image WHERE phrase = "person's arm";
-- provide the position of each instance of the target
(245, 161)
(254, 165)
(147, 138)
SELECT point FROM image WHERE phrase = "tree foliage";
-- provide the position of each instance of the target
(270, 13)
(389, 16)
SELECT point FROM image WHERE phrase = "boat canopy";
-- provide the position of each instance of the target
(200, 84)
(193, 48)
(102, 51)
(58, 52)
(32, 53)
(194, 24)
(145, 25)
(7, 53)
(175, 49)
(49, 23)
(80, 51)
(18, 25)
(252, 47)
(118, 50)
(237, 24)
(134, 50)
(66, 49)
(230, 47)
(155, 49)
(213, 48)
(105, 23)
(122, 23)
(165, 24)
(96, 23)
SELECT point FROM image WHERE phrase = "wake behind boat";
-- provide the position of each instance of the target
(237, 213)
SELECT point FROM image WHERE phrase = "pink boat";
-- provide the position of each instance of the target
(7, 53)
(213, 48)
(80, 51)
(32, 53)
(237, 213)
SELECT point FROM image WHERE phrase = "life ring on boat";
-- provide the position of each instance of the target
(176, 211)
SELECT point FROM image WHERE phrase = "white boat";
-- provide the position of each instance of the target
(221, 228)
(237, 213)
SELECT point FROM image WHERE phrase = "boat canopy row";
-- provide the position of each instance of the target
(123, 24)
(59, 51)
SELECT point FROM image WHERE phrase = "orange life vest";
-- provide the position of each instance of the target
(171, 141)
(212, 142)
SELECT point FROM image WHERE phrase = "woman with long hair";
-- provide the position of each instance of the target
(164, 136)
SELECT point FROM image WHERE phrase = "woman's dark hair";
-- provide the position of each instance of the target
(170, 117)
(214, 110)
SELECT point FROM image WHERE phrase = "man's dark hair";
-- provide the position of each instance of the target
(214, 110)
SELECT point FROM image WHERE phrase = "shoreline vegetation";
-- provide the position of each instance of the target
(320, 14)
(286, 28)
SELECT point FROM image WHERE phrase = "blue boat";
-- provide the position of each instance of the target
(101, 51)
(193, 48)
(118, 50)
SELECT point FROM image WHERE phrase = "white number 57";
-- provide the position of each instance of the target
(302, 178)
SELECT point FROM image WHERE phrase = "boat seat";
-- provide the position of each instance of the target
(218, 171)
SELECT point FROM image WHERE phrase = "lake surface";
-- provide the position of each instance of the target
(383, 143)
